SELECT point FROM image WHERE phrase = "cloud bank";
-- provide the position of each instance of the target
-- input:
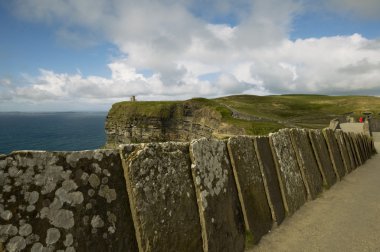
(226, 47)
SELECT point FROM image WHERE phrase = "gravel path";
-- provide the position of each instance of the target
(344, 218)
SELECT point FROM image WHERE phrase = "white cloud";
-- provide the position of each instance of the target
(179, 46)
(5, 82)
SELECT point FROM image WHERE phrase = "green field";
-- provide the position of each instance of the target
(260, 115)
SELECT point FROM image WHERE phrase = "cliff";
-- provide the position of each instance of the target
(136, 122)
(139, 122)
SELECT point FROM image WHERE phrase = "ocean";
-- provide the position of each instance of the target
(61, 131)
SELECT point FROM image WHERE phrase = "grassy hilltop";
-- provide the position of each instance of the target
(258, 114)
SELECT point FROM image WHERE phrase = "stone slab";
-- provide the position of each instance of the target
(335, 155)
(290, 177)
(359, 148)
(250, 185)
(218, 202)
(73, 201)
(368, 144)
(308, 164)
(350, 150)
(364, 140)
(272, 186)
(162, 195)
(361, 143)
(343, 150)
(322, 156)
(351, 137)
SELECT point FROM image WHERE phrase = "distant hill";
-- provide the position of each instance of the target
(144, 121)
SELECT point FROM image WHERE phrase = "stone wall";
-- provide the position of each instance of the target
(206, 195)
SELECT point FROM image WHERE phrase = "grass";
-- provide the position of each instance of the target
(276, 111)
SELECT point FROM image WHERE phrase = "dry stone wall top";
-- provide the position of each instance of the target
(73, 201)
(162, 195)
(250, 184)
(219, 207)
(291, 182)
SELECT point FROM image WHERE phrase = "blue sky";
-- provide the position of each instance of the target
(86, 55)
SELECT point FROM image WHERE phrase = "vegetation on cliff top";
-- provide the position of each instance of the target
(258, 114)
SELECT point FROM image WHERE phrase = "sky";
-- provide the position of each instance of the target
(85, 55)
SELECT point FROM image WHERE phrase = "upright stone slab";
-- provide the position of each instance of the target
(368, 145)
(250, 185)
(350, 150)
(355, 148)
(322, 156)
(272, 186)
(162, 196)
(343, 151)
(308, 164)
(335, 155)
(364, 142)
(69, 201)
(361, 143)
(359, 147)
(219, 208)
(291, 182)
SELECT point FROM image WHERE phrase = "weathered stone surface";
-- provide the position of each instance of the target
(350, 150)
(307, 162)
(364, 141)
(322, 156)
(343, 151)
(46, 194)
(335, 155)
(291, 182)
(361, 143)
(351, 137)
(359, 148)
(162, 196)
(272, 186)
(219, 208)
(250, 185)
(334, 124)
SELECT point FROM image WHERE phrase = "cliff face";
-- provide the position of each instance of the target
(139, 122)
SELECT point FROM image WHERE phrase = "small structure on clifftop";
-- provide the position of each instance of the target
(133, 98)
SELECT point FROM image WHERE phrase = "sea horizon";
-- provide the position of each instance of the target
(52, 131)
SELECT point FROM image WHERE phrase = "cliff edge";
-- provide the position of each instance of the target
(158, 121)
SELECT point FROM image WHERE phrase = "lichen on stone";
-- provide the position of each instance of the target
(52, 236)
(16, 243)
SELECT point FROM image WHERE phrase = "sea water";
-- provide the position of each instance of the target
(59, 131)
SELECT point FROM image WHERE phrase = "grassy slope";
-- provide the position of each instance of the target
(310, 111)
(303, 110)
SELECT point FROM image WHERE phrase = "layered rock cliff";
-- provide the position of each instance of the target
(136, 122)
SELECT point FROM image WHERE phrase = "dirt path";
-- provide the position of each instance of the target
(344, 218)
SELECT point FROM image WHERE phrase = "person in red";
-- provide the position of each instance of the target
(361, 119)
